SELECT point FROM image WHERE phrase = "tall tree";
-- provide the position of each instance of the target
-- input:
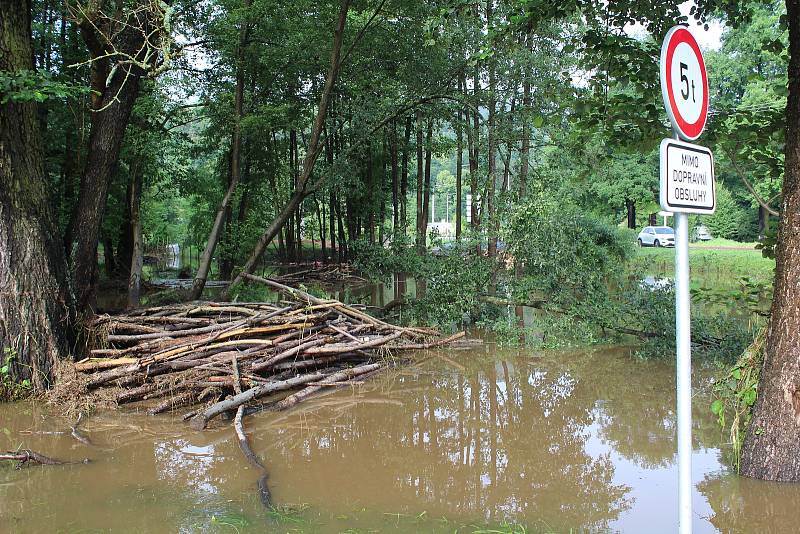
(772, 446)
(124, 46)
(35, 303)
(234, 164)
(313, 150)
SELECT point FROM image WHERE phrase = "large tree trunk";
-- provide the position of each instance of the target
(115, 86)
(105, 140)
(35, 304)
(772, 446)
(427, 216)
(312, 152)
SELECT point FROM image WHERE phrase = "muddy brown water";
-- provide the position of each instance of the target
(479, 440)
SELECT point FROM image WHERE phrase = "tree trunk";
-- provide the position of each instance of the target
(321, 220)
(125, 235)
(459, 166)
(630, 210)
(427, 216)
(115, 90)
(137, 249)
(312, 152)
(420, 185)
(763, 222)
(109, 262)
(223, 211)
(395, 181)
(404, 177)
(332, 227)
(343, 254)
(492, 149)
(35, 305)
(772, 445)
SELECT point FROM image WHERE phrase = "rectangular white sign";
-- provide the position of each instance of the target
(687, 178)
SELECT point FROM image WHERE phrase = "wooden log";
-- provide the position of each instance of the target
(339, 348)
(26, 456)
(341, 376)
(95, 364)
(437, 343)
(176, 401)
(201, 420)
(288, 353)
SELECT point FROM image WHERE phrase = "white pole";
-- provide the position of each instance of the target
(433, 208)
(684, 371)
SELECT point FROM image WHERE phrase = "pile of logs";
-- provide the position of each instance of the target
(225, 356)
(325, 276)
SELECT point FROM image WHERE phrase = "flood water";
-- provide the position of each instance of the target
(485, 439)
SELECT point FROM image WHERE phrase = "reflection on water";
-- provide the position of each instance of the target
(555, 441)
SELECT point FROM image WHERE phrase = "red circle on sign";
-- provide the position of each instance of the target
(688, 130)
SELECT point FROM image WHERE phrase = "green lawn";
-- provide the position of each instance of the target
(713, 268)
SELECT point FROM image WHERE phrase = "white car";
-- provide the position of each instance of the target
(656, 236)
(701, 233)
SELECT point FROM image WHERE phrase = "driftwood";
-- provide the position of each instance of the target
(29, 457)
(223, 358)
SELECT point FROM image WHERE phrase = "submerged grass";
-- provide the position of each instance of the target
(719, 269)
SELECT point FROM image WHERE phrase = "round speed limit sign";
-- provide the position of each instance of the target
(684, 83)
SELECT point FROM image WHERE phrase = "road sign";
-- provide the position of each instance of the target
(687, 186)
(687, 178)
(684, 83)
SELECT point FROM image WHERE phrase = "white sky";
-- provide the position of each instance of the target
(708, 40)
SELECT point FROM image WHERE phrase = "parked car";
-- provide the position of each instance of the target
(701, 233)
(656, 236)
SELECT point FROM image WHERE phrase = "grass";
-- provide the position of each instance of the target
(718, 269)
(719, 242)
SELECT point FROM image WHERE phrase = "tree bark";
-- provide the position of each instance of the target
(772, 445)
(137, 250)
(35, 304)
(404, 176)
(459, 166)
(630, 211)
(395, 181)
(426, 197)
(420, 185)
(115, 92)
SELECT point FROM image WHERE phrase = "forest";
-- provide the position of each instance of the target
(502, 154)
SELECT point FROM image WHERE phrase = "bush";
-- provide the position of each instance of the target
(567, 255)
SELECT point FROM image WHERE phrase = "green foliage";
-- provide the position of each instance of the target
(751, 297)
(11, 390)
(717, 335)
(35, 86)
(377, 262)
(452, 285)
(735, 394)
(730, 219)
(568, 256)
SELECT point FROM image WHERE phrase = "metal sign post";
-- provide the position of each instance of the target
(683, 333)
(687, 186)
